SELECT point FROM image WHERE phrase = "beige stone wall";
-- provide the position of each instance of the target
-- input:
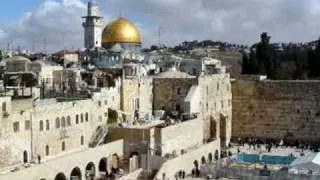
(133, 139)
(178, 137)
(166, 92)
(131, 90)
(185, 162)
(276, 109)
(216, 106)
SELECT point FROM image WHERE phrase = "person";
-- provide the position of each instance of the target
(163, 176)
(192, 172)
(183, 174)
(238, 151)
(180, 173)
(39, 159)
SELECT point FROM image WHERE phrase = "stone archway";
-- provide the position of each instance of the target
(210, 157)
(76, 174)
(203, 160)
(103, 168)
(213, 128)
(216, 155)
(223, 130)
(25, 156)
(196, 164)
(60, 176)
(90, 171)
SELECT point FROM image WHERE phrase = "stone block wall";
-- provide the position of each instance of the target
(276, 109)
(170, 93)
(185, 162)
(216, 106)
(178, 137)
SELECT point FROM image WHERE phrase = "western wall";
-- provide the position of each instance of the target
(288, 110)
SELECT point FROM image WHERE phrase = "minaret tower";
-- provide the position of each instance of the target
(92, 26)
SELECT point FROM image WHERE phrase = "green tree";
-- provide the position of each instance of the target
(112, 116)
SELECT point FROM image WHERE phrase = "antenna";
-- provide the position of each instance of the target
(159, 35)
(45, 45)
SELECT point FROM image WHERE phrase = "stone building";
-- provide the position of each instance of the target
(49, 128)
(173, 91)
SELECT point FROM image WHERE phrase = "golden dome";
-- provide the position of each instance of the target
(121, 30)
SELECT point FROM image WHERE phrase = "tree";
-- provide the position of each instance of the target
(154, 48)
(112, 116)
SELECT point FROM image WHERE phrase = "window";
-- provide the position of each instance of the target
(87, 117)
(222, 104)
(207, 91)
(4, 106)
(47, 150)
(99, 103)
(105, 102)
(207, 107)
(215, 106)
(63, 146)
(81, 118)
(69, 121)
(58, 123)
(82, 140)
(41, 125)
(77, 119)
(112, 98)
(63, 122)
(100, 118)
(179, 91)
(27, 125)
(47, 125)
(218, 87)
(16, 127)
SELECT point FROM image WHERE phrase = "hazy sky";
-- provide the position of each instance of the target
(27, 22)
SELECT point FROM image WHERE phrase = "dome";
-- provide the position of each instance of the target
(121, 30)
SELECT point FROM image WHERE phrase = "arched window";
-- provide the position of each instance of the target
(47, 124)
(82, 140)
(77, 119)
(63, 147)
(81, 118)
(87, 117)
(4, 106)
(41, 125)
(63, 122)
(47, 150)
(58, 123)
(68, 121)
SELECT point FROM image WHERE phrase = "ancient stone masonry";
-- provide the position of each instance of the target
(276, 109)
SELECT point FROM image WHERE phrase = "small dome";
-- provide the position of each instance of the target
(121, 30)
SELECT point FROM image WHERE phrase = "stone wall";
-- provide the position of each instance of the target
(216, 106)
(276, 109)
(185, 162)
(176, 138)
(170, 93)
(136, 89)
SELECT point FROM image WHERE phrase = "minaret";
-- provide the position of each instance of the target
(92, 26)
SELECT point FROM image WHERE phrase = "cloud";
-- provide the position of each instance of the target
(227, 20)
(58, 23)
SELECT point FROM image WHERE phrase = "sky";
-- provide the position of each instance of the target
(31, 23)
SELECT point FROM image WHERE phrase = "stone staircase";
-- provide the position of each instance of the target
(98, 136)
